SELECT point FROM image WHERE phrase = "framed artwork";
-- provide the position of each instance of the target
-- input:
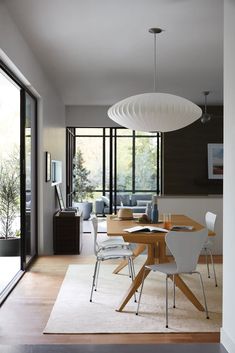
(59, 197)
(215, 160)
(48, 166)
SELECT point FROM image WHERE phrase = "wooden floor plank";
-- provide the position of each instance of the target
(146, 348)
(26, 311)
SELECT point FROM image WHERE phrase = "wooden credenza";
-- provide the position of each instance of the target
(67, 234)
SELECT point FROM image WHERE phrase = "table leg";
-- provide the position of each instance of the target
(187, 292)
(138, 279)
(137, 251)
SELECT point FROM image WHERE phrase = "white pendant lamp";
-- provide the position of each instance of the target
(154, 111)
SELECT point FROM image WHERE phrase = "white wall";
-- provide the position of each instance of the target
(51, 117)
(228, 331)
(85, 116)
(196, 207)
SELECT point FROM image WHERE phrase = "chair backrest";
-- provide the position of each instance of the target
(94, 229)
(186, 248)
(210, 219)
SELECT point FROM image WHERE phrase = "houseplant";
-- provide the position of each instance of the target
(82, 186)
(9, 207)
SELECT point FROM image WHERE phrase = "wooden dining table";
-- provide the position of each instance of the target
(156, 251)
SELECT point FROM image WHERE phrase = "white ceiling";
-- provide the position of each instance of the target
(99, 51)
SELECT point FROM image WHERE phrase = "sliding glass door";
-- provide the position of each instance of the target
(29, 176)
(10, 197)
(18, 220)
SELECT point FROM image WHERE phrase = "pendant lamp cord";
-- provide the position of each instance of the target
(155, 31)
(206, 94)
(155, 63)
(205, 103)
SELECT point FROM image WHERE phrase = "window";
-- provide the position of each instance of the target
(119, 160)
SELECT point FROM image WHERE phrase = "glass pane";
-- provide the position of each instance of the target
(89, 167)
(89, 131)
(124, 164)
(144, 133)
(30, 186)
(107, 131)
(124, 132)
(146, 155)
(9, 179)
(107, 162)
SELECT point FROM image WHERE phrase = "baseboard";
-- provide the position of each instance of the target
(227, 342)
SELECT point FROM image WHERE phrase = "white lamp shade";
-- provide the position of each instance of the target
(154, 112)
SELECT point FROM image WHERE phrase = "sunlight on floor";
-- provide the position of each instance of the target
(11, 265)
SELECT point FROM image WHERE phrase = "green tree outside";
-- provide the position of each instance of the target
(82, 186)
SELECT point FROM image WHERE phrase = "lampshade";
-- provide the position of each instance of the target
(154, 111)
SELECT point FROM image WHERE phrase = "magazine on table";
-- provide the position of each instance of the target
(146, 229)
(181, 227)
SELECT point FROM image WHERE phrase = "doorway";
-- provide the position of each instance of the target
(18, 199)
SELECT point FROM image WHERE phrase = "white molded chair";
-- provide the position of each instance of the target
(103, 254)
(185, 248)
(112, 242)
(210, 219)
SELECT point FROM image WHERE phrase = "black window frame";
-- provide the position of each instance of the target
(112, 134)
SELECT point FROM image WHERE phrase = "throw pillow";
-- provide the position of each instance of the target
(106, 200)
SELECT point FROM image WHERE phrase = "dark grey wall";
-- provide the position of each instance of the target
(185, 157)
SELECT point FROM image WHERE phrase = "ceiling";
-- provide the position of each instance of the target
(96, 52)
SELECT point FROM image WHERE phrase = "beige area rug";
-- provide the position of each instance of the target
(73, 313)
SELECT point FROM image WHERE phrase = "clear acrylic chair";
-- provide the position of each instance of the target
(185, 248)
(210, 219)
(109, 253)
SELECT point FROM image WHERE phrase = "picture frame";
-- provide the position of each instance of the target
(59, 197)
(215, 161)
(48, 166)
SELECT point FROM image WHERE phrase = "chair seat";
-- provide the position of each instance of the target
(117, 241)
(167, 268)
(114, 253)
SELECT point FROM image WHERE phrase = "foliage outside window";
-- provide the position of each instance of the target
(82, 186)
(136, 155)
(9, 195)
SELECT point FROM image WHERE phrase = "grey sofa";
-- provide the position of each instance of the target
(137, 202)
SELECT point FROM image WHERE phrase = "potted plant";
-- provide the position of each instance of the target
(9, 207)
(82, 186)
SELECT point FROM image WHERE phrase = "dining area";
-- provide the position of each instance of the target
(171, 246)
(115, 296)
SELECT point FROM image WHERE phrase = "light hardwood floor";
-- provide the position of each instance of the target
(24, 314)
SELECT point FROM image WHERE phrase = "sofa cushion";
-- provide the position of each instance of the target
(123, 200)
(135, 197)
(142, 202)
